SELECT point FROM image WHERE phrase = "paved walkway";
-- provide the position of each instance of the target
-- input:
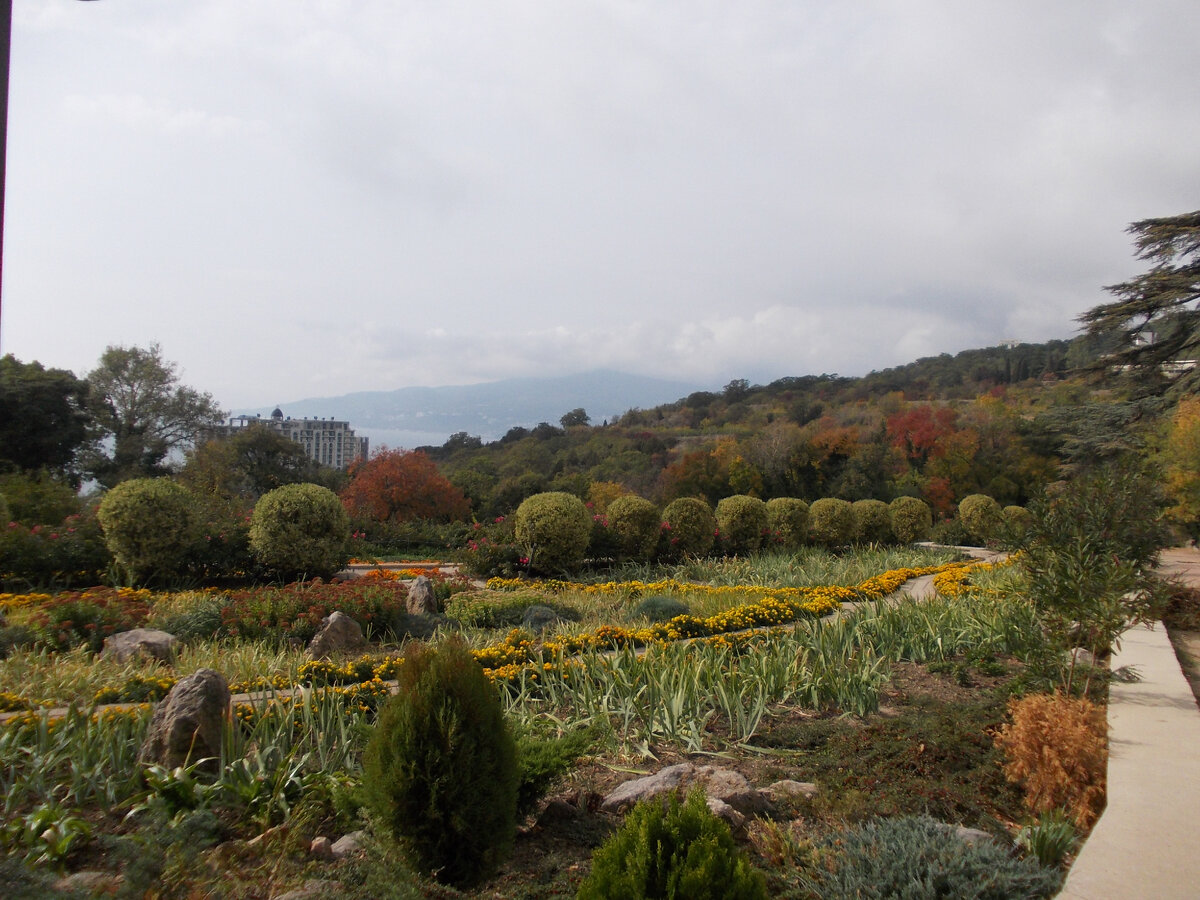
(1146, 845)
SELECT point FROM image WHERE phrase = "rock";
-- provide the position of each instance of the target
(188, 723)
(126, 645)
(421, 601)
(1082, 657)
(630, 793)
(791, 790)
(350, 843)
(726, 785)
(322, 848)
(970, 835)
(339, 634)
(91, 883)
(313, 889)
(538, 618)
(722, 810)
(557, 811)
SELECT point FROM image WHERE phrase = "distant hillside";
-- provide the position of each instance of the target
(414, 416)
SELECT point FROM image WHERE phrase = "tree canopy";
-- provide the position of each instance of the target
(1155, 319)
(401, 485)
(44, 418)
(138, 402)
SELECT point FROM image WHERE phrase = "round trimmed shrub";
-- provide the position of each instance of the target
(441, 767)
(912, 519)
(148, 527)
(872, 522)
(981, 517)
(688, 527)
(741, 520)
(554, 528)
(300, 530)
(1017, 520)
(787, 520)
(672, 850)
(635, 523)
(831, 522)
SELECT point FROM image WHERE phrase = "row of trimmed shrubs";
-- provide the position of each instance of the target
(556, 532)
(151, 526)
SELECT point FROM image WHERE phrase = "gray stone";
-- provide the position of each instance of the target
(557, 810)
(971, 835)
(725, 785)
(339, 634)
(791, 790)
(313, 889)
(126, 645)
(188, 723)
(90, 882)
(321, 847)
(350, 843)
(722, 810)
(538, 618)
(421, 601)
(630, 793)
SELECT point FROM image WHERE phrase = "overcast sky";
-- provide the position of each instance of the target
(308, 197)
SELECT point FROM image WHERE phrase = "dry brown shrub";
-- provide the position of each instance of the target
(1057, 751)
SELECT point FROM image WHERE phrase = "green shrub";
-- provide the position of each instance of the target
(912, 520)
(981, 517)
(553, 528)
(741, 521)
(659, 609)
(148, 527)
(916, 858)
(441, 767)
(1017, 520)
(787, 520)
(831, 522)
(688, 528)
(872, 522)
(300, 530)
(542, 759)
(492, 609)
(635, 523)
(675, 850)
(5, 516)
(38, 499)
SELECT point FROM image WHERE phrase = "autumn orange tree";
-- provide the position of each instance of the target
(402, 486)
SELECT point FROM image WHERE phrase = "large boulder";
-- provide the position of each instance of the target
(126, 645)
(339, 634)
(189, 722)
(726, 785)
(421, 601)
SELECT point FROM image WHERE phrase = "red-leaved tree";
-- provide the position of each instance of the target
(400, 486)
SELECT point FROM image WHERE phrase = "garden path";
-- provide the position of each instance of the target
(1146, 843)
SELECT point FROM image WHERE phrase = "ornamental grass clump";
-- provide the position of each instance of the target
(300, 530)
(688, 528)
(672, 850)
(148, 527)
(553, 528)
(635, 523)
(441, 768)
(742, 521)
(787, 520)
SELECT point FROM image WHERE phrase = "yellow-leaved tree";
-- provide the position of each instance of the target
(1181, 459)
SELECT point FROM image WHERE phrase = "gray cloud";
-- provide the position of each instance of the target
(298, 199)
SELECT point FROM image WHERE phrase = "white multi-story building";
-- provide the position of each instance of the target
(328, 441)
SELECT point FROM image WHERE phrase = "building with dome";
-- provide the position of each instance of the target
(328, 441)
